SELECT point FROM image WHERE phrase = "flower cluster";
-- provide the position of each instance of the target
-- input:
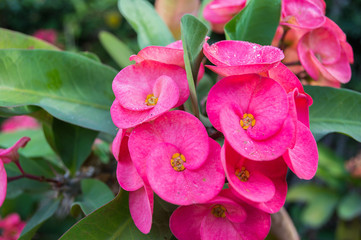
(260, 107)
(312, 43)
(11, 227)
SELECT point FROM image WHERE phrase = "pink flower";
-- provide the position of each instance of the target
(18, 123)
(6, 156)
(48, 35)
(260, 184)
(238, 57)
(147, 90)
(254, 114)
(324, 53)
(178, 159)
(11, 227)
(170, 54)
(303, 14)
(140, 195)
(219, 12)
(223, 217)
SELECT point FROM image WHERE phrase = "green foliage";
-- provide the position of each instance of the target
(335, 110)
(94, 195)
(193, 35)
(68, 86)
(350, 206)
(119, 51)
(256, 23)
(43, 214)
(113, 221)
(12, 39)
(150, 28)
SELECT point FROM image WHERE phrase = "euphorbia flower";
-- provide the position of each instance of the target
(239, 57)
(18, 123)
(219, 12)
(170, 54)
(324, 53)
(11, 227)
(254, 114)
(303, 14)
(260, 184)
(223, 217)
(140, 195)
(6, 156)
(146, 90)
(48, 35)
(181, 163)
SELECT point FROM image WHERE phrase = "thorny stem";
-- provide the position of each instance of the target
(30, 176)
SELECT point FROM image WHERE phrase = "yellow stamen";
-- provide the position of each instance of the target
(247, 121)
(219, 211)
(177, 162)
(151, 100)
(242, 174)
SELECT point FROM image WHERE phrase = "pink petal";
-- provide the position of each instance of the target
(182, 227)
(11, 154)
(179, 128)
(19, 122)
(145, 74)
(141, 208)
(258, 188)
(249, 57)
(3, 183)
(215, 228)
(302, 159)
(340, 70)
(133, 98)
(168, 55)
(188, 186)
(235, 213)
(127, 175)
(307, 14)
(262, 97)
(265, 150)
(222, 11)
(287, 79)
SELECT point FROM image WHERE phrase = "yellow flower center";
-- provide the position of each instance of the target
(151, 100)
(242, 174)
(247, 121)
(219, 211)
(177, 162)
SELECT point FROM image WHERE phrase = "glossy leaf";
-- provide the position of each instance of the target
(150, 28)
(73, 143)
(193, 35)
(94, 195)
(113, 221)
(256, 23)
(118, 50)
(350, 206)
(12, 39)
(335, 110)
(70, 87)
(43, 214)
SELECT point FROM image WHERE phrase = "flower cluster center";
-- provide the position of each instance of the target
(151, 100)
(219, 211)
(242, 174)
(177, 162)
(247, 121)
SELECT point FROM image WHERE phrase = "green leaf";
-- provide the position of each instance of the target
(94, 195)
(306, 192)
(91, 56)
(256, 23)
(113, 221)
(70, 87)
(200, 14)
(43, 214)
(350, 206)
(335, 110)
(193, 34)
(348, 230)
(150, 28)
(73, 143)
(119, 51)
(12, 39)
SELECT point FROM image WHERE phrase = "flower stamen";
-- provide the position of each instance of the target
(219, 211)
(247, 121)
(151, 100)
(177, 162)
(242, 174)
